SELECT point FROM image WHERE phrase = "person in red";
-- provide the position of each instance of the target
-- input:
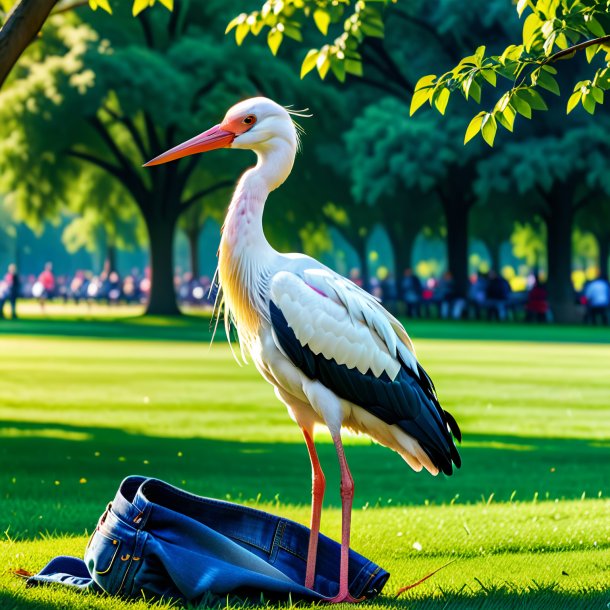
(47, 282)
(537, 306)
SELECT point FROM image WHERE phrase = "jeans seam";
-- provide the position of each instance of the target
(250, 542)
(285, 548)
(277, 540)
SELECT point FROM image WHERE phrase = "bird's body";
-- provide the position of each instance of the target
(334, 355)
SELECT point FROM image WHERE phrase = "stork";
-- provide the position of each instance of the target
(334, 355)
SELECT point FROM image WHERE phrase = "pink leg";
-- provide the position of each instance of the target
(317, 496)
(347, 496)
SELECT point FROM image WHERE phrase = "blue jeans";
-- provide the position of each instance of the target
(158, 540)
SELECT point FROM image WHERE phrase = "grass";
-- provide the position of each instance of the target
(85, 402)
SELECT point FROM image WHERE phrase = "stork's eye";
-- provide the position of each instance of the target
(249, 120)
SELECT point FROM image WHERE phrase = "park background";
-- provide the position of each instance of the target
(92, 392)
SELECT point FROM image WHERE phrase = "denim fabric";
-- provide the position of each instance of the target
(159, 540)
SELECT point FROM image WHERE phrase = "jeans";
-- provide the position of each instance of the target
(158, 540)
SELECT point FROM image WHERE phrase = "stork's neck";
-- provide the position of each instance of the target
(245, 257)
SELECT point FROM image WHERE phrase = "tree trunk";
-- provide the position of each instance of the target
(21, 27)
(402, 245)
(559, 256)
(162, 300)
(111, 255)
(456, 216)
(193, 240)
(603, 242)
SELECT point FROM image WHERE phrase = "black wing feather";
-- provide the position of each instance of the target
(409, 401)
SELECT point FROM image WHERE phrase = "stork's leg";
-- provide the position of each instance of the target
(347, 496)
(318, 485)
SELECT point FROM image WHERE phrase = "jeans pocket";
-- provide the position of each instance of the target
(101, 553)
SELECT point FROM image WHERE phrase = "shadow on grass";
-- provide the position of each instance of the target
(500, 598)
(199, 328)
(58, 478)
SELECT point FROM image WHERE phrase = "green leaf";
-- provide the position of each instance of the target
(139, 6)
(425, 81)
(419, 99)
(293, 32)
(595, 27)
(489, 75)
(521, 106)
(546, 81)
(441, 100)
(506, 118)
(322, 20)
(323, 62)
(531, 24)
(241, 32)
(353, 66)
(105, 6)
(591, 51)
(573, 101)
(588, 103)
(474, 127)
(598, 95)
(235, 22)
(489, 128)
(475, 91)
(274, 40)
(533, 98)
(338, 67)
(309, 63)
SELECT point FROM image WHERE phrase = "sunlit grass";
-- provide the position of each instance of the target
(527, 517)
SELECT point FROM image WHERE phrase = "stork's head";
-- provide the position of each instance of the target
(258, 124)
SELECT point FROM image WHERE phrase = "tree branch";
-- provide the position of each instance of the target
(187, 203)
(151, 132)
(22, 24)
(133, 131)
(117, 172)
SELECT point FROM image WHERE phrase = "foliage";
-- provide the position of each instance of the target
(553, 30)
(284, 18)
(529, 241)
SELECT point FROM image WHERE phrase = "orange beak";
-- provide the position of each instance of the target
(213, 138)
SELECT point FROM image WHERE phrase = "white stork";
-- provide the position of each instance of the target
(334, 355)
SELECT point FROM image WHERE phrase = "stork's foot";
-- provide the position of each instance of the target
(345, 598)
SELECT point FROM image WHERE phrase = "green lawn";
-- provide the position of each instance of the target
(84, 403)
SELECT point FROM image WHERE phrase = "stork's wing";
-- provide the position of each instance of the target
(337, 333)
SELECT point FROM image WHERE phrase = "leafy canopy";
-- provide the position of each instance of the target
(551, 30)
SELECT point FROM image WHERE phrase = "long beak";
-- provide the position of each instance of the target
(213, 138)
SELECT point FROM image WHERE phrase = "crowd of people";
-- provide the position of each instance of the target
(489, 296)
(107, 287)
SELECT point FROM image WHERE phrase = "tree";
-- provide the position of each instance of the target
(25, 18)
(560, 171)
(115, 102)
(427, 164)
(112, 224)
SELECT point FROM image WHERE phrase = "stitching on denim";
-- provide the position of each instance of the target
(128, 568)
(364, 588)
(285, 548)
(277, 539)
(247, 541)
